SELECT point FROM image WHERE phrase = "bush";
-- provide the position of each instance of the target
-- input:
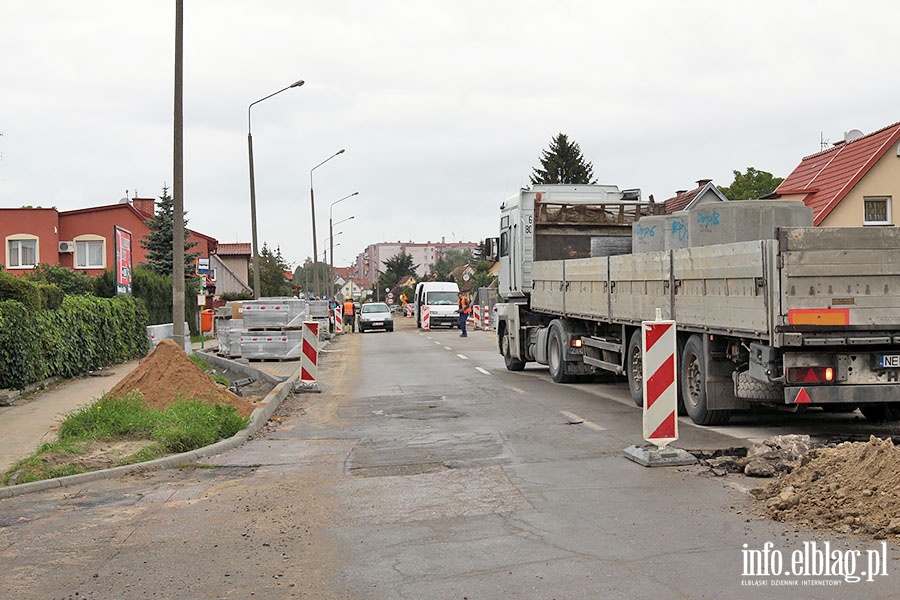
(17, 288)
(84, 334)
(73, 283)
(237, 296)
(51, 295)
(155, 291)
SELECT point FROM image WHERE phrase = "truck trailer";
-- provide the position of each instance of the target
(769, 310)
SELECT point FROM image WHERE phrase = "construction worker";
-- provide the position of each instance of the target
(464, 311)
(349, 316)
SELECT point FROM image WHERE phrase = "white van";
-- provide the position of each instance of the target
(442, 298)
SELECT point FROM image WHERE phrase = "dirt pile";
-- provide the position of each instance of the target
(167, 375)
(852, 487)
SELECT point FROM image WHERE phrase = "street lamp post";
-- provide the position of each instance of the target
(253, 189)
(312, 204)
(331, 227)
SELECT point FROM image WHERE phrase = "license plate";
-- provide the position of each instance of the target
(378, 324)
(888, 361)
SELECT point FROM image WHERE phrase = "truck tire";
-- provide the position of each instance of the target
(512, 364)
(693, 382)
(634, 364)
(556, 357)
(883, 411)
(751, 389)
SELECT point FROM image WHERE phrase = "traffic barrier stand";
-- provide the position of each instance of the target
(338, 320)
(660, 413)
(486, 317)
(476, 317)
(426, 318)
(309, 359)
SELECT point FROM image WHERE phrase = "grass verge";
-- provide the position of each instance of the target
(120, 431)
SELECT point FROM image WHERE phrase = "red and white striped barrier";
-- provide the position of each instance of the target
(338, 320)
(309, 356)
(476, 317)
(660, 382)
(486, 317)
(426, 317)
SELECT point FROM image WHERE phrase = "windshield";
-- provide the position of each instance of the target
(444, 298)
(375, 308)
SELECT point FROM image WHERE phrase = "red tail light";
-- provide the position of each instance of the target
(810, 375)
(575, 343)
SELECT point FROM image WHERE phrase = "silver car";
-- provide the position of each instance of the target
(375, 315)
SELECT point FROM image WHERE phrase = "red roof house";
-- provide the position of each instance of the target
(853, 183)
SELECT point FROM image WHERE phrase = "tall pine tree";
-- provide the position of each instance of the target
(563, 163)
(158, 243)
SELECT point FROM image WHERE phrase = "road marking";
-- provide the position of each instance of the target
(447, 348)
(437, 343)
(576, 420)
(480, 370)
(515, 389)
(463, 356)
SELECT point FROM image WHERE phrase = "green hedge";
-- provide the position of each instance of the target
(18, 288)
(83, 334)
(155, 291)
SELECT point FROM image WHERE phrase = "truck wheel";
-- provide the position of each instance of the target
(556, 358)
(880, 412)
(693, 382)
(634, 364)
(512, 364)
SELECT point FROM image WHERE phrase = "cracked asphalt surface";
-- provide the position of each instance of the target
(424, 470)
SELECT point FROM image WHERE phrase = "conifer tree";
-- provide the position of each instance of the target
(158, 243)
(563, 163)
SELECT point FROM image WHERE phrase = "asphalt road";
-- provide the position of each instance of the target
(424, 470)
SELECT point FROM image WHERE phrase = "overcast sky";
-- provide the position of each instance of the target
(443, 107)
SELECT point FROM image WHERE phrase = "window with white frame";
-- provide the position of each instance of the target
(212, 273)
(21, 253)
(877, 210)
(89, 254)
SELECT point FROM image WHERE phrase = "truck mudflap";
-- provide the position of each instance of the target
(840, 394)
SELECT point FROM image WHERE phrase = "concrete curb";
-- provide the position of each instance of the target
(259, 418)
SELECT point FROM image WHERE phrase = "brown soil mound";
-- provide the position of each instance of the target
(853, 487)
(167, 375)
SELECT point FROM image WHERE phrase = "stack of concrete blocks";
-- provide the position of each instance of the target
(744, 220)
(718, 223)
(272, 328)
(228, 334)
(318, 311)
(286, 344)
(157, 333)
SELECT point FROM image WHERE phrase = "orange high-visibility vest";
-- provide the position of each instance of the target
(348, 308)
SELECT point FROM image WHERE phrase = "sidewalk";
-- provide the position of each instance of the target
(34, 420)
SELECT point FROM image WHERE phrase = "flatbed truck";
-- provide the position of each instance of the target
(788, 317)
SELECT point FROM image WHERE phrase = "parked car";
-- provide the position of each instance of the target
(375, 315)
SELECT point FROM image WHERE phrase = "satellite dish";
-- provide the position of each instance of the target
(123, 201)
(853, 134)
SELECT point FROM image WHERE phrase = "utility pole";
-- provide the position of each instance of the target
(178, 186)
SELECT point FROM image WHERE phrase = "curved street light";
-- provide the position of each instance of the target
(330, 228)
(312, 203)
(253, 189)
